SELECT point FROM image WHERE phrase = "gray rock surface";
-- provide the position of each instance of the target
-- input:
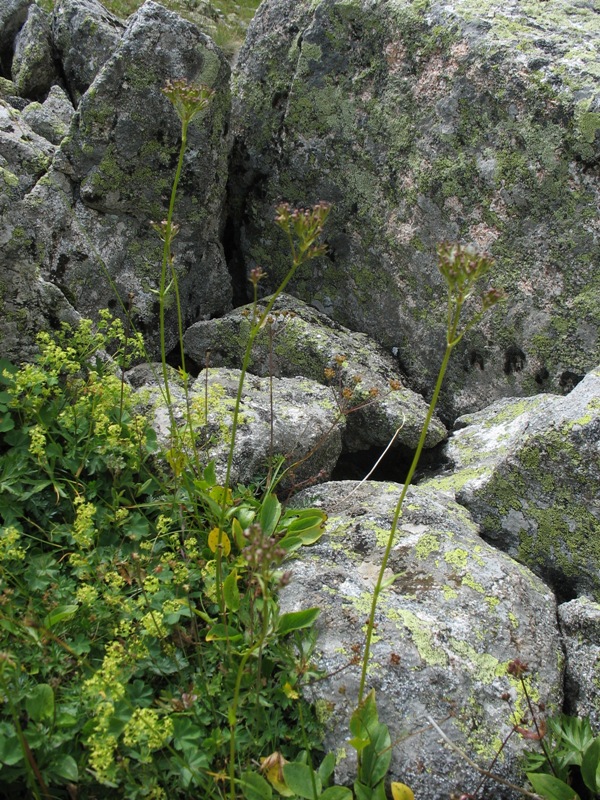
(580, 628)
(301, 341)
(52, 118)
(13, 14)
(84, 221)
(457, 613)
(33, 67)
(529, 472)
(85, 35)
(468, 120)
(306, 430)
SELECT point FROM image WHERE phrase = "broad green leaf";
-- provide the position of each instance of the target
(6, 422)
(400, 791)
(231, 592)
(377, 755)
(294, 620)
(210, 476)
(65, 767)
(590, 766)
(60, 614)
(551, 788)
(302, 779)
(238, 534)
(255, 787)
(336, 793)
(221, 632)
(291, 543)
(270, 513)
(11, 751)
(327, 766)
(40, 703)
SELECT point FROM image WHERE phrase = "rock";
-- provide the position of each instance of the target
(580, 628)
(528, 471)
(474, 121)
(25, 155)
(33, 69)
(306, 430)
(301, 341)
(8, 93)
(52, 118)
(13, 14)
(85, 35)
(114, 173)
(458, 612)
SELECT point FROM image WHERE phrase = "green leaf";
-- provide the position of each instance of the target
(377, 755)
(210, 476)
(551, 788)
(590, 766)
(231, 592)
(60, 614)
(238, 534)
(40, 703)
(11, 751)
(6, 422)
(270, 514)
(255, 787)
(336, 793)
(327, 766)
(299, 778)
(220, 632)
(65, 767)
(294, 620)
(291, 543)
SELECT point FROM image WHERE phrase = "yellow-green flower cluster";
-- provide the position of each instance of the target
(147, 730)
(84, 531)
(10, 547)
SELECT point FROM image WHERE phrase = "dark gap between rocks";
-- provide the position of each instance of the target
(394, 465)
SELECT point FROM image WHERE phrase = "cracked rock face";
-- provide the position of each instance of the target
(456, 614)
(82, 220)
(477, 121)
(301, 341)
(529, 472)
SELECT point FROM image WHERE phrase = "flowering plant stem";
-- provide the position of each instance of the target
(461, 268)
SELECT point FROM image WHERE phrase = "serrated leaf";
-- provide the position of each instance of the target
(551, 788)
(294, 620)
(218, 538)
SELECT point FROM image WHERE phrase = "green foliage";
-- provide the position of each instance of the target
(117, 671)
(571, 758)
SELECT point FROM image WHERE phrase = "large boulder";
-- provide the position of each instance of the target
(580, 628)
(286, 426)
(85, 35)
(298, 340)
(467, 120)
(528, 471)
(84, 220)
(33, 67)
(457, 613)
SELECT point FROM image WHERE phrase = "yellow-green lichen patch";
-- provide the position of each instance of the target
(427, 544)
(421, 636)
